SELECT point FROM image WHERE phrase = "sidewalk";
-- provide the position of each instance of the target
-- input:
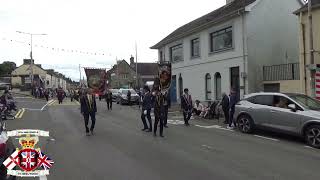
(24, 93)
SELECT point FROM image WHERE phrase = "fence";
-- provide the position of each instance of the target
(281, 72)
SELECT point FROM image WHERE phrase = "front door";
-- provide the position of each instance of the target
(235, 79)
(173, 89)
(180, 86)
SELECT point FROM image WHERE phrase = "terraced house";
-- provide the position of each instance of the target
(229, 47)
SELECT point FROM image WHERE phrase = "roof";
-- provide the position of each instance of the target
(145, 69)
(315, 4)
(222, 14)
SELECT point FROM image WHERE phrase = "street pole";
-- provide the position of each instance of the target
(31, 56)
(136, 66)
(312, 71)
(80, 76)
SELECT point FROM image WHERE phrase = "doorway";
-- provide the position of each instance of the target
(235, 79)
(173, 89)
(180, 86)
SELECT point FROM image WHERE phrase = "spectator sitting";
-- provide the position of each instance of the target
(198, 108)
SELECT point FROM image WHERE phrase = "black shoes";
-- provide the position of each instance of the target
(92, 133)
(165, 126)
(150, 130)
(87, 134)
(144, 129)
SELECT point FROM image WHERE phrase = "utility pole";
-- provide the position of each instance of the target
(137, 81)
(31, 57)
(312, 71)
(80, 76)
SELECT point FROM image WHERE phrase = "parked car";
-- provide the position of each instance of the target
(5, 86)
(114, 94)
(123, 99)
(294, 114)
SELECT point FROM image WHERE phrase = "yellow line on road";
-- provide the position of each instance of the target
(18, 113)
(21, 114)
(52, 102)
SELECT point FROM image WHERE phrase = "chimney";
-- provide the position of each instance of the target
(229, 1)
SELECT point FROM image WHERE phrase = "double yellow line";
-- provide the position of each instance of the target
(51, 102)
(20, 113)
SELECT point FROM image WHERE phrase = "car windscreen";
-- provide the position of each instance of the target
(306, 102)
(114, 90)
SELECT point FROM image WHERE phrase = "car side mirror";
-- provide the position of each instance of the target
(292, 107)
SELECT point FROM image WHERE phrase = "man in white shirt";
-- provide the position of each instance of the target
(198, 108)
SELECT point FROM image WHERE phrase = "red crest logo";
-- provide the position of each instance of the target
(28, 159)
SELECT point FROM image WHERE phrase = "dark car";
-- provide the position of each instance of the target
(114, 94)
(123, 99)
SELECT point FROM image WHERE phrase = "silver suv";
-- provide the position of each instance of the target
(295, 114)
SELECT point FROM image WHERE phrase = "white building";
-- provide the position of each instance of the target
(229, 47)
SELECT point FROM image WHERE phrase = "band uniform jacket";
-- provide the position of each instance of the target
(86, 107)
(186, 102)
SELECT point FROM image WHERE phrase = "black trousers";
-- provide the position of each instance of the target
(186, 116)
(143, 118)
(86, 120)
(47, 97)
(165, 120)
(156, 121)
(231, 113)
(109, 103)
(226, 115)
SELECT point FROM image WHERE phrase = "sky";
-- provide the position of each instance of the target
(92, 33)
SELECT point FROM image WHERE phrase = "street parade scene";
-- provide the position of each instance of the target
(136, 90)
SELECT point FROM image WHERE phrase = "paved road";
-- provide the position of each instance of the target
(121, 151)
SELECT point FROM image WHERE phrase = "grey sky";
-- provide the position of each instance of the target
(95, 26)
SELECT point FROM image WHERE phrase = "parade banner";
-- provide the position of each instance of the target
(165, 76)
(96, 79)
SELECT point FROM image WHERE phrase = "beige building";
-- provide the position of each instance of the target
(21, 75)
(304, 46)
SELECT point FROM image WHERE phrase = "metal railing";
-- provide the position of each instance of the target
(289, 71)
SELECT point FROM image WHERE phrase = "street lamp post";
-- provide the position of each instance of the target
(31, 58)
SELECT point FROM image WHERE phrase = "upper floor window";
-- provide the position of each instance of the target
(195, 47)
(176, 53)
(221, 40)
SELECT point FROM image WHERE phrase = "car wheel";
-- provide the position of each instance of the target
(245, 124)
(312, 135)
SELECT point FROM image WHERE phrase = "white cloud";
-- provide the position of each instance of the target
(111, 27)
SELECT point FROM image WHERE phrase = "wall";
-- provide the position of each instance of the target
(289, 86)
(305, 85)
(193, 70)
(16, 81)
(272, 37)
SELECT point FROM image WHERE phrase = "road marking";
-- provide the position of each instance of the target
(309, 147)
(49, 102)
(30, 109)
(18, 113)
(175, 122)
(272, 139)
(215, 127)
(206, 146)
(21, 114)
(42, 177)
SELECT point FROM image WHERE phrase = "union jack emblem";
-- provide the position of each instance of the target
(28, 160)
(44, 161)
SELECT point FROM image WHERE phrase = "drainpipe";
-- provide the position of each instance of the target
(304, 54)
(243, 49)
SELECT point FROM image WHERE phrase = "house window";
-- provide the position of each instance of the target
(125, 76)
(217, 78)
(208, 86)
(221, 40)
(176, 53)
(195, 47)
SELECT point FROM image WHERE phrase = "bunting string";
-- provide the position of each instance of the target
(57, 49)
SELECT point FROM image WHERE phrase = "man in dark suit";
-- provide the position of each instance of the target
(89, 109)
(167, 105)
(109, 99)
(225, 107)
(147, 103)
(186, 105)
(158, 111)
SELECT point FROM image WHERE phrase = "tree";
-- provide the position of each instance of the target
(7, 67)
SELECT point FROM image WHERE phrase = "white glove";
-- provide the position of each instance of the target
(145, 112)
